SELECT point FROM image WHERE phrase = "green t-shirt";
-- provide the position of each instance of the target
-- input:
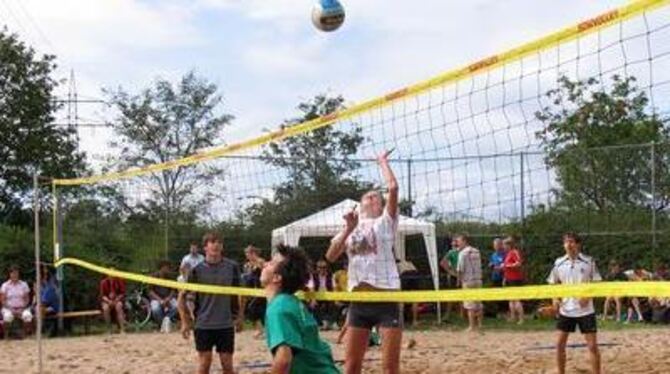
(288, 322)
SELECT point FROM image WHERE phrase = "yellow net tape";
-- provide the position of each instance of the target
(569, 33)
(603, 289)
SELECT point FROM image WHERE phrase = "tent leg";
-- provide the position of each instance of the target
(439, 313)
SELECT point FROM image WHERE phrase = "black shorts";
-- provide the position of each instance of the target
(368, 315)
(587, 324)
(222, 339)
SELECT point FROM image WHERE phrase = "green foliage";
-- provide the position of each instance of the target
(585, 117)
(167, 122)
(320, 169)
(30, 141)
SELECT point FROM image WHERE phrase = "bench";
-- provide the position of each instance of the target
(85, 314)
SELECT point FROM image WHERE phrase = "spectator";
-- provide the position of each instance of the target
(469, 269)
(449, 263)
(495, 265)
(614, 274)
(163, 299)
(252, 278)
(322, 281)
(340, 280)
(513, 276)
(661, 273)
(496, 261)
(49, 300)
(15, 299)
(193, 258)
(638, 274)
(112, 297)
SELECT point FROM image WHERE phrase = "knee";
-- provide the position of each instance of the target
(7, 316)
(155, 307)
(105, 307)
(27, 316)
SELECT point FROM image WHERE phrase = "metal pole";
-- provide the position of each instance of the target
(653, 197)
(522, 195)
(409, 186)
(38, 269)
(58, 254)
(167, 228)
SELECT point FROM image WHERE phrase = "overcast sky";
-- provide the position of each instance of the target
(265, 55)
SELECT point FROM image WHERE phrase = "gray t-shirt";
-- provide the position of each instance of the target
(215, 311)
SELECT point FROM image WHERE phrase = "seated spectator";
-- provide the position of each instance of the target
(163, 299)
(661, 273)
(660, 310)
(49, 300)
(322, 281)
(112, 297)
(15, 299)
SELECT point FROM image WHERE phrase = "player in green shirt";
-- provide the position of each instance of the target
(291, 331)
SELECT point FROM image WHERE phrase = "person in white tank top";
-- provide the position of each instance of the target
(368, 238)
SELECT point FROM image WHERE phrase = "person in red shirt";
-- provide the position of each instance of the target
(513, 276)
(112, 295)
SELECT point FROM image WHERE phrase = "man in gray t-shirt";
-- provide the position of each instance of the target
(214, 325)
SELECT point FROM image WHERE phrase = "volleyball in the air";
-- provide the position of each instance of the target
(328, 15)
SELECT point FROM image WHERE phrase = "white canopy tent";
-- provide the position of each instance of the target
(329, 222)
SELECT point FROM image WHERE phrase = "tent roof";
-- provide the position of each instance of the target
(329, 222)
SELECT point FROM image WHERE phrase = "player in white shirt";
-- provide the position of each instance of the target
(575, 268)
(369, 242)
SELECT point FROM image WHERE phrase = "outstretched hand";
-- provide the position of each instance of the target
(384, 156)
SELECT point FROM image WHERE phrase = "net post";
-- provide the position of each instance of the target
(58, 253)
(652, 147)
(522, 197)
(38, 269)
(409, 187)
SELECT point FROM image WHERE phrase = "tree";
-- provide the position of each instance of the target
(30, 140)
(319, 165)
(599, 142)
(167, 122)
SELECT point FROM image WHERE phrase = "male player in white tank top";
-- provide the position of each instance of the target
(368, 241)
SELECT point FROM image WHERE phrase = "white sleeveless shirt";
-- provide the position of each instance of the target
(370, 252)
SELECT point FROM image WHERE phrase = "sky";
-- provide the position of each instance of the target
(265, 55)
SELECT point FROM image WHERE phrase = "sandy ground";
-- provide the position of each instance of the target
(629, 351)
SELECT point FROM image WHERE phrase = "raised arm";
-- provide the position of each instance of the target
(391, 184)
(338, 244)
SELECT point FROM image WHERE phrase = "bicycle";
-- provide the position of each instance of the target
(138, 308)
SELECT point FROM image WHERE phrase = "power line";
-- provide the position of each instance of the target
(37, 27)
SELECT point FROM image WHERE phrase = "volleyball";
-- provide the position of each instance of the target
(328, 15)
